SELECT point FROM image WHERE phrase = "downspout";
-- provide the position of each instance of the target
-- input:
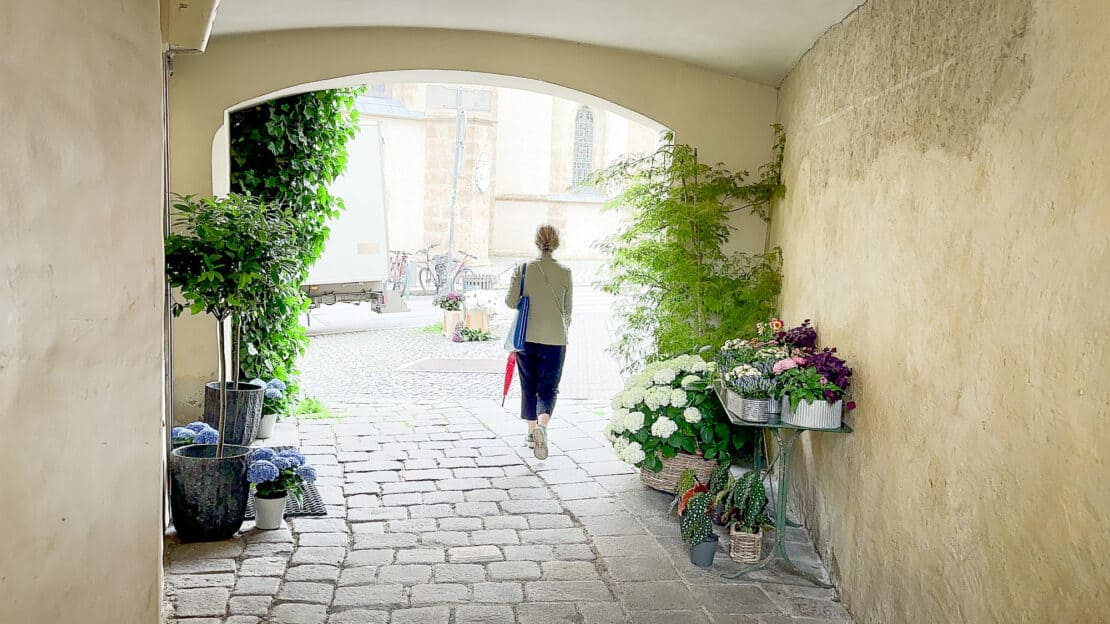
(167, 317)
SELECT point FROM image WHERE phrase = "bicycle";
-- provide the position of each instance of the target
(399, 274)
(424, 275)
(435, 275)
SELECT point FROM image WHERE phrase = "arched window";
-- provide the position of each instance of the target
(583, 143)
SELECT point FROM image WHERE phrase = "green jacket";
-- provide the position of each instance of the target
(549, 286)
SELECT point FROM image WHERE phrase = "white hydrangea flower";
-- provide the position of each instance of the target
(663, 428)
(633, 453)
(690, 379)
(692, 415)
(610, 431)
(632, 397)
(664, 376)
(679, 398)
(633, 422)
(700, 367)
(617, 400)
(619, 445)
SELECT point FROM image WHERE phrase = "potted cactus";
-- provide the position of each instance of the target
(223, 255)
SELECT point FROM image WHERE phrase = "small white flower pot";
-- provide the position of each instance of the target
(266, 426)
(268, 512)
(815, 415)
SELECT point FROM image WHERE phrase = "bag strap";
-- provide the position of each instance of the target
(523, 273)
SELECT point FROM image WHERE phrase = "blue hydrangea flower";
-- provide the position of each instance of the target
(197, 426)
(207, 436)
(263, 453)
(182, 434)
(273, 393)
(278, 384)
(294, 456)
(258, 382)
(308, 473)
(281, 462)
(262, 471)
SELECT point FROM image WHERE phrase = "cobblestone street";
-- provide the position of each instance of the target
(438, 514)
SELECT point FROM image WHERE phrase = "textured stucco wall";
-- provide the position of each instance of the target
(946, 226)
(727, 118)
(80, 312)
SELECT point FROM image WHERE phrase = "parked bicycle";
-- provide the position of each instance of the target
(457, 274)
(424, 273)
(400, 274)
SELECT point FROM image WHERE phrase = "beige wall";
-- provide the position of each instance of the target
(945, 225)
(728, 118)
(81, 310)
(581, 223)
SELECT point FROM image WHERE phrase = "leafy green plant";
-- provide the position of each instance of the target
(475, 335)
(312, 409)
(805, 383)
(742, 502)
(433, 329)
(676, 289)
(686, 480)
(695, 524)
(287, 151)
(224, 255)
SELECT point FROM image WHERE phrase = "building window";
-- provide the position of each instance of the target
(583, 144)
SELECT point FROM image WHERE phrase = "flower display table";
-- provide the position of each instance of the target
(785, 435)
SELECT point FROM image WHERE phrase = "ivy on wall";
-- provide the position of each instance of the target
(677, 290)
(287, 151)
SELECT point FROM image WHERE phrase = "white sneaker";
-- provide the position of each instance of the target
(539, 438)
(528, 441)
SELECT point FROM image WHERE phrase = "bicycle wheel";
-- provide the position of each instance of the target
(464, 278)
(425, 279)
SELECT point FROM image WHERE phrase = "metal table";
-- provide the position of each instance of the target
(785, 435)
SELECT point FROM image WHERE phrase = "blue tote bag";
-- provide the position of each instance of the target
(515, 340)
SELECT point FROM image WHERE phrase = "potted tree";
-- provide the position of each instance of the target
(223, 252)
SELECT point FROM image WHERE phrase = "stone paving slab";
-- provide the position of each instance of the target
(442, 515)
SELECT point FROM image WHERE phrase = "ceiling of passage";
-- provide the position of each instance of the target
(755, 39)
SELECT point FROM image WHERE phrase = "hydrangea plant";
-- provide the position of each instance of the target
(194, 433)
(274, 394)
(277, 473)
(670, 408)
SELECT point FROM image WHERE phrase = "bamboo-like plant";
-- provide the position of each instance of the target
(677, 289)
(225, 255)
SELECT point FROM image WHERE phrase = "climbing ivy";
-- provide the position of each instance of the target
(676, 289)
(287, 151)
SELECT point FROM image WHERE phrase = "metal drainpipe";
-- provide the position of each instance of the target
(167, 318)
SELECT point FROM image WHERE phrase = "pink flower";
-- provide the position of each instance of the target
(824, 380)
(798, 360)
(777, 325)
(782, 366)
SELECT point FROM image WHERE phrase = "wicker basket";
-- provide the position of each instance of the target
(745, 547)
(665, 480)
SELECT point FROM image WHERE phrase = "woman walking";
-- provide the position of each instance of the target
(549, 286)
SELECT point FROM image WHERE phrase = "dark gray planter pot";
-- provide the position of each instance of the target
(702, 554)
(208, 496)
(244, 410)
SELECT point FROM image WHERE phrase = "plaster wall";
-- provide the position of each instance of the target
(945, 225)
(728, 118)
(81, 307)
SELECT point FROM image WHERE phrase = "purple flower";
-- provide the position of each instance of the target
(197, 426)
(308, 473)
(263, 454)
(802, 337)
(281, 462)
(262, 471)
(208, 436)
(295, 457)
(833, 369)
(181, 434)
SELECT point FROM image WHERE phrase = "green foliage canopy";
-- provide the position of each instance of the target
(677, 289)
(287, 151)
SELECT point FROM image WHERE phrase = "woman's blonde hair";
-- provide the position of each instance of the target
(547, 237)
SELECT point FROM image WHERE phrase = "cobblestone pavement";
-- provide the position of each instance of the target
(437, 514)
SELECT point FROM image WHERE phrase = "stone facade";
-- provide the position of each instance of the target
(945, 226)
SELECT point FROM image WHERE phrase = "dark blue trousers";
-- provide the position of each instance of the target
(540, 368)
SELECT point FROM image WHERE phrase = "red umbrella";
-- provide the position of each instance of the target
(509, 366)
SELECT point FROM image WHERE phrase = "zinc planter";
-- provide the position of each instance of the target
(244, 410)
(774, 406)
(266, 426)
(702, 554)
(753, 410)
(815, 415)
(208, 496)
(268, 512)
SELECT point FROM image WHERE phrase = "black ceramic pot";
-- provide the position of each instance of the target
(244, 410)
(208, 496)
(702, 554)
